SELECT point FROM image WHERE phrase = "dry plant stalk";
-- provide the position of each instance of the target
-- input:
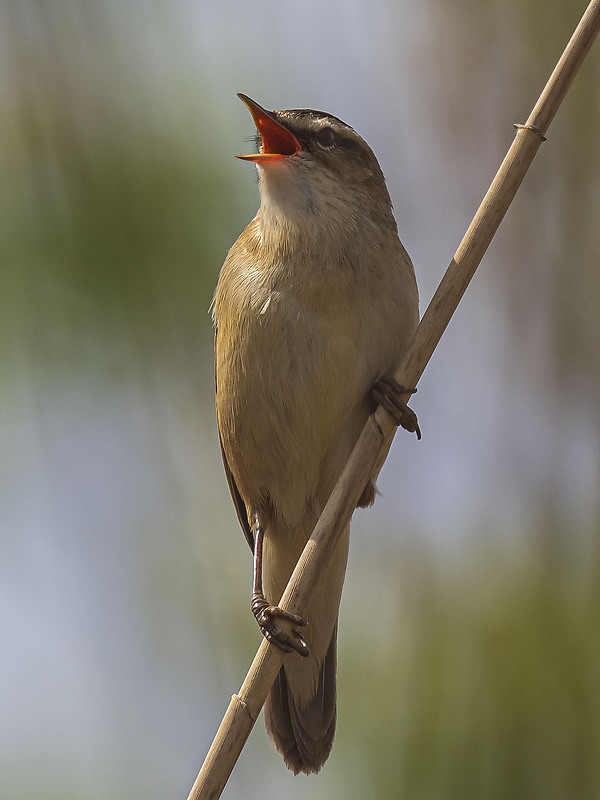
(379, 431)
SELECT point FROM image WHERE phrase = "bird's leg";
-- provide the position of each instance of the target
(266, 614)
(387, 392)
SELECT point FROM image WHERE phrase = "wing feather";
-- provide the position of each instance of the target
(238, 502)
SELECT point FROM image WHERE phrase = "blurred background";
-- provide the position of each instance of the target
(469, 638)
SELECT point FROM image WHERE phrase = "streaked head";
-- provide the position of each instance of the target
(316, 159)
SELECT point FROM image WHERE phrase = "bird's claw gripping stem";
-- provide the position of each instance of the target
(266, 615)
(387, 392)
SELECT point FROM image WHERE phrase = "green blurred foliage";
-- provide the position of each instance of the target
(112, 217)
(486, 685)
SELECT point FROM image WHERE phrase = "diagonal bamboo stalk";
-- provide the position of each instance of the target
(379, 431)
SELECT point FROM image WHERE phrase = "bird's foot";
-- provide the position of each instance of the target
(387, 392)
(266, 615)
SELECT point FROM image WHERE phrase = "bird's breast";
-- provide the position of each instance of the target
(299, 342)
(288, 383)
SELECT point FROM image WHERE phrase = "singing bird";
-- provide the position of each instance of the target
(315, 304)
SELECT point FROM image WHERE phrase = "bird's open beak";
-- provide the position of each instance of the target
(277, 141)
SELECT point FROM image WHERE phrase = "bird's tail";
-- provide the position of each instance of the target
(300, 711)
(303, 733)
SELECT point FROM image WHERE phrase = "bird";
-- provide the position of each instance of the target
(315, 305)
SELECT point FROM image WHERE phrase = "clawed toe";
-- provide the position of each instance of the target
(289, 644)
(387, 392)
(266, 615)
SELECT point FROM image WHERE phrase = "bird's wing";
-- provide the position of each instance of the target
(240, 506)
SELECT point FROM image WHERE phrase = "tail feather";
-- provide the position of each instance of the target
(304, 734)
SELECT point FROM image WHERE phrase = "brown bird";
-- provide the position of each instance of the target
(315, 305)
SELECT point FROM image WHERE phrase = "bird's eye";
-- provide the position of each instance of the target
(326, 137)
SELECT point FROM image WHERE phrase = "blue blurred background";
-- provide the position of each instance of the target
(469, 636)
